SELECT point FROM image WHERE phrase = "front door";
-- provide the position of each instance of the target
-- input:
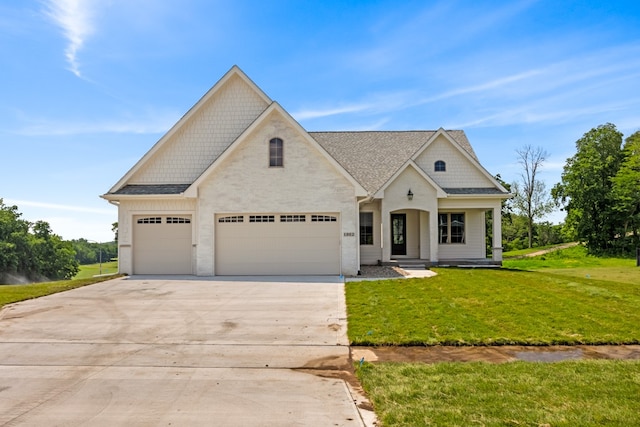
(398, 234)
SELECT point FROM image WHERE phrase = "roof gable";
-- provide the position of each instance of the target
(274, 109)
(410, 163)
(469, 173)
(373, 157)
(205, 131)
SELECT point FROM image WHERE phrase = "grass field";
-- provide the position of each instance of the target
(493, 307)
(91, 270)
(572, 393)
(15, 293)
(564, 297)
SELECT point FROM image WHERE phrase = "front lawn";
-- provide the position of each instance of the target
(14, 293)
(493, 307)
(90, 270)
(572, 393)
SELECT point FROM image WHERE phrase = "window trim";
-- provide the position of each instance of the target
(448, 228)
(366, 229)
(276, 158)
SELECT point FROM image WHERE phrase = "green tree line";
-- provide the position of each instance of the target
(31, 251)
(88, 252)
(600, 191)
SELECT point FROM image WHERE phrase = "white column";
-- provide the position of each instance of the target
(497, 233)
(433, 235)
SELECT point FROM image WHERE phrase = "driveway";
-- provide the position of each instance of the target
(173, 352)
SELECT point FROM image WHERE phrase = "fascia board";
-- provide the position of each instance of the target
(118, 197)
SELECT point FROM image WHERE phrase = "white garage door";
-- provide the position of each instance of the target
(277, 244)
(162, 244)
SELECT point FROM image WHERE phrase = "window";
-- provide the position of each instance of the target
(261, 218)
(233, 218)
(323, 218)
(450, 228)
(440, 166)
(178, 220)
(293, 218)
(366, 228)
(152, 220)
(275, 152)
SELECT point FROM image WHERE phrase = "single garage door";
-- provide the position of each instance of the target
(277, 244)
(162, 244)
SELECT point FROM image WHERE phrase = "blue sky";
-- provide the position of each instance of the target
(88, 86)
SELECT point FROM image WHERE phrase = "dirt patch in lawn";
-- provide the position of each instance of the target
(494, 354)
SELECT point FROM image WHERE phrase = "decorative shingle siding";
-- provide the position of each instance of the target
(460, 171)
(207, 134)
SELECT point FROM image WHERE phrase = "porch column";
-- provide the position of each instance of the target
(385, 239)
(497, 233)
(433, 236)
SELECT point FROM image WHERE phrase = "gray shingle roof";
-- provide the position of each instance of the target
(153, 189)
(372, 157)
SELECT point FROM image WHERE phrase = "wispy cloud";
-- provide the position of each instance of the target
(55, 206)
(75, 18)
(153, 123)
(332, 111)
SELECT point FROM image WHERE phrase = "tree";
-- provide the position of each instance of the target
(586, 188)
(531, 197)
(32, 250)
(626, 193)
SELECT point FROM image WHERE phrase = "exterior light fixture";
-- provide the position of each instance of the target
(410, 195)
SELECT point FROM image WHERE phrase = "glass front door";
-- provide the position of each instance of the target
(398, 234)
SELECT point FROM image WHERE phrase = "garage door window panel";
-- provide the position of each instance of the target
(150, 220)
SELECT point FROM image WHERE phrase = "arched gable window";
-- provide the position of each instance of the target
(275, 152)
(440, 166)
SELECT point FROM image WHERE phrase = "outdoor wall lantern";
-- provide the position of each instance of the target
(410, 195)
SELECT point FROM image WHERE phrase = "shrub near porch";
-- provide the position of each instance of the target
(493, 307)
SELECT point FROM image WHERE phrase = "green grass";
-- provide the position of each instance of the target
(90, 270)
(493, 307)
(574, 257)
(571, 393)
(522, 252)
(15, 293)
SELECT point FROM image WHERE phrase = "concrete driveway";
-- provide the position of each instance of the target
(159, 351)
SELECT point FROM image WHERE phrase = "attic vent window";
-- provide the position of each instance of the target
(440, 166)
(275, 152)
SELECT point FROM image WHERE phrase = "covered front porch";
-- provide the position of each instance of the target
(453, 236)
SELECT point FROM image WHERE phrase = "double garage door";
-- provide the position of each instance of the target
(277, 244)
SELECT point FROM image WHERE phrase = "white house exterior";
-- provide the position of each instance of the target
(238, 187)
